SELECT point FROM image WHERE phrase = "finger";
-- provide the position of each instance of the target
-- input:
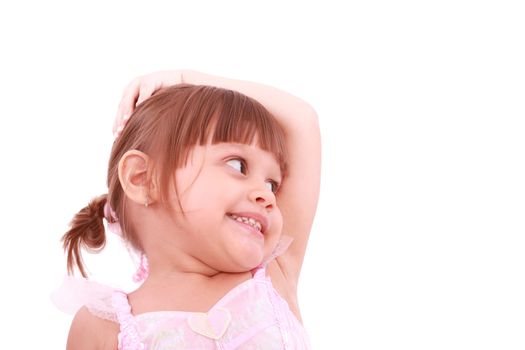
(127, 104)
(129, 97)
(119, 123)
(146, 90)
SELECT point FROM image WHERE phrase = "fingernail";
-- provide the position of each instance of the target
(126, 116)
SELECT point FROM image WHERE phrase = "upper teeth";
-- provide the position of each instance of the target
(249, 221)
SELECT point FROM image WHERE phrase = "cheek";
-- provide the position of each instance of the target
(195, 190)
(202, 198)
(206, 207)
(211, 191)
(275, 232)
(277, 221)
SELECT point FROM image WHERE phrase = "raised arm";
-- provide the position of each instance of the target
(299, 193)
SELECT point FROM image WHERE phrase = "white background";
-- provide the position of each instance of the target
(419, 238)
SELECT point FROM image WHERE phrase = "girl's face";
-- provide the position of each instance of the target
(231, 221)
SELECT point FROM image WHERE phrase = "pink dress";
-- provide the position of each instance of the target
(250, 316)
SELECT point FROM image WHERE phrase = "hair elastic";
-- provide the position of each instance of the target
(114, 226)
(112, 220)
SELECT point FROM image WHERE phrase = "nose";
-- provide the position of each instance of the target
(263, 197)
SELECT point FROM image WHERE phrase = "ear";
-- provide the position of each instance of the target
(135, 175)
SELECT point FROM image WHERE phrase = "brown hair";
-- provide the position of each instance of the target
(166, 127)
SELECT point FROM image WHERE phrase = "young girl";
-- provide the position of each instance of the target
(215, 183)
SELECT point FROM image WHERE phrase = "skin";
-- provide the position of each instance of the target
(197, 257)
(193, 277)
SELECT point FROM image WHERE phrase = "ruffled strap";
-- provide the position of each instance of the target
(280, 248)
(103, 302)
(77, 292)
(129, 336)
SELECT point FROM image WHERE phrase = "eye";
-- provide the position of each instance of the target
(238, 164)
(273, 186)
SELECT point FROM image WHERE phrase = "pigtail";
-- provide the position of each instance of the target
(86, 231)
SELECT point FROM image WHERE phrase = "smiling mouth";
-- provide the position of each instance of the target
(248, 221)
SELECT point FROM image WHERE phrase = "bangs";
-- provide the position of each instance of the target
(174, 120)
(191, 115)
(245, 121)
(197, 115)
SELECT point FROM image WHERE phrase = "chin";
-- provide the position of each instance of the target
(244, 253)
(247, 262)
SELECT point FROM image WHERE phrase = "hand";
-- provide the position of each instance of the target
(139, 90)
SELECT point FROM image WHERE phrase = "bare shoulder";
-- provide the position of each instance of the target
(89, 332)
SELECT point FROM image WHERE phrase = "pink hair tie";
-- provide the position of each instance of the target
(114, 226)
(112, 220)
(143, 270)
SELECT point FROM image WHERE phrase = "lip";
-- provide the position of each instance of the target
(251, 230)
(258, 217)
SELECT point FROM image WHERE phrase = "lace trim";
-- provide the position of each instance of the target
(279, 249)
(129, 336)
(77, 292)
